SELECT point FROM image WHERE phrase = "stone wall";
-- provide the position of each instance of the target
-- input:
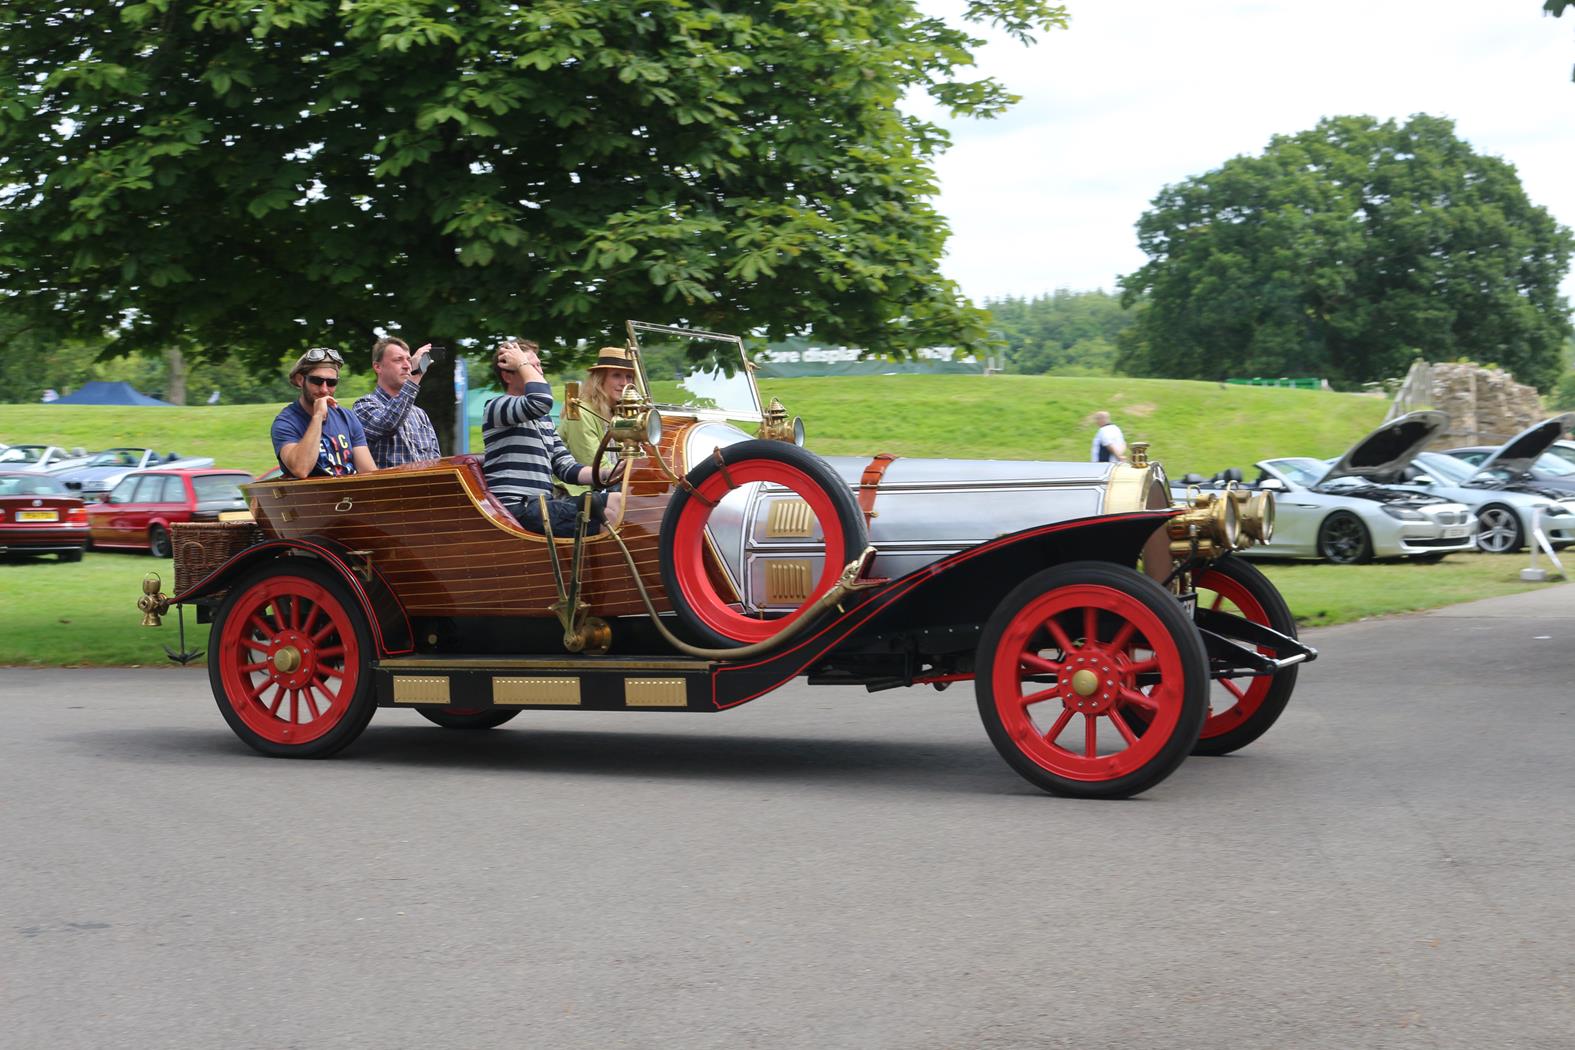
(1485, 405)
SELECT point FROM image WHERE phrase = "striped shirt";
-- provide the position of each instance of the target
(523, 451)
(396, 430)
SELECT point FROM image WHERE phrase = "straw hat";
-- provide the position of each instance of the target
(613, 357)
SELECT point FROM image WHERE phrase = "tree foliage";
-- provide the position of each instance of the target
(1344, 252)
(251, 176)
(1070, 333)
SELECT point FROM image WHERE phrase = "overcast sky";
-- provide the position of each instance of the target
(1138, 94)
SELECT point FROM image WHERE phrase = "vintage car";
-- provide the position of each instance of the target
(104, 470)
(740, 563)
(139, 512)
(1338, 513)
(38, 516)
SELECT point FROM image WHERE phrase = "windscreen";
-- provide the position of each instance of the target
(699, 373)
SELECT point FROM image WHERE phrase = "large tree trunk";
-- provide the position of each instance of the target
(437, 398)
(175, 385)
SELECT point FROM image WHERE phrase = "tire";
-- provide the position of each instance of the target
(158, 541)
(1138, 630)
(1499, 530)
(301, 606)
(75, 555)
(1240, 711)
(704, 615)
(467, 718)
(1343, 539)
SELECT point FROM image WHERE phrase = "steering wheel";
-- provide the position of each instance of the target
(600, 480)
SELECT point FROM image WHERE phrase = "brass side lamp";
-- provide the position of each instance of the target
(775, 425)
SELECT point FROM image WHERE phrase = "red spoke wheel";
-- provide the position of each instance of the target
(1062, 660)
(712, 618)
(290, 661)
(467, 717)
(1242, 709)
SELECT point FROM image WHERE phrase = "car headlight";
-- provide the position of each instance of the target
(1553, 510)
(1404, 513)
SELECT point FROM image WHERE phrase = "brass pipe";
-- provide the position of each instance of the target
(848, 581)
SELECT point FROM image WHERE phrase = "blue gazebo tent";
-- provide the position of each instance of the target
(99, 392)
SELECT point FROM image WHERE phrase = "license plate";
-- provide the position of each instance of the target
(235, 515)
(1189, 604)
(38, 515)
(1455, 532)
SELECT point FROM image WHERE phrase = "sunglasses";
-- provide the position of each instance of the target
(323, 353)
(329, 381)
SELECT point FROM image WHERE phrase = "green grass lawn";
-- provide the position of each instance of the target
(1201, 427)
(85, 614)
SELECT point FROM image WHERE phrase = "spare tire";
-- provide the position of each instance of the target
(713, 619)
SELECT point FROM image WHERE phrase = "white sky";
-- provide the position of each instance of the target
(1138, 94)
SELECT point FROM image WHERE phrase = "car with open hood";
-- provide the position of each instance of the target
(1340, 513)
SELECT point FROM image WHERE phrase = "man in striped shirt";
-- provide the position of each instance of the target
(524, 453)
(396, 430)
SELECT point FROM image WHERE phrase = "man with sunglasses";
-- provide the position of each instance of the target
(312, 435)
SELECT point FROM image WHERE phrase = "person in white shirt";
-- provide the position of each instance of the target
(1110, 445)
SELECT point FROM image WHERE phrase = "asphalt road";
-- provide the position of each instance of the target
(1389, 867)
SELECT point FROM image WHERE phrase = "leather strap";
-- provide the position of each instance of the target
(869, 484)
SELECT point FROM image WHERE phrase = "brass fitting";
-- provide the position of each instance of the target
(1139, 453)
(776, 426)
(571, 400)
(153, 603)
(1255, 512)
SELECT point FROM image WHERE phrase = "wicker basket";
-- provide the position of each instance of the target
(202, 546)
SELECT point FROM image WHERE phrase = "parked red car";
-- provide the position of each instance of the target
(138, 512)
(39, 516)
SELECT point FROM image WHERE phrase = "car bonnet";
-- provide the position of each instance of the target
(1382, 454)
(1518, 453)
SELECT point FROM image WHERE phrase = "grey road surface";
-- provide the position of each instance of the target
(1390, 867)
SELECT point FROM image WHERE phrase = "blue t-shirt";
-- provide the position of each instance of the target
(341, 433)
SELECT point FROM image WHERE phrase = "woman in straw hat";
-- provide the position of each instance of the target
(601, 390)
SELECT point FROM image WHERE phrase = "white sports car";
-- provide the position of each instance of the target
(1337, 514)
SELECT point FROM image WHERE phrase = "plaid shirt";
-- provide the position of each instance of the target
(396, 430)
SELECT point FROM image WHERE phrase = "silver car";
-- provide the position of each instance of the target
(1505, 515)
(1336, 513)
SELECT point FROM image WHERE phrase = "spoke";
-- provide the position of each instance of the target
(1090, 735)
(250, 668)
(330, 670)
(273, 613)
(1218, 598)
(255, 691)
(321, 685)
(1233, 689)
(1039, 697)
(1122, 727)
(1060, 724)
(327, 629)
(273, 706)
(308, 694)
(311, 618)
(1142, 700)
(295, 614)
(256, 624)
(254, 645)
(1123, 636)
(1090, 625)
(295, 715)
(1060, 636)
(333, 650)
(1035, 662)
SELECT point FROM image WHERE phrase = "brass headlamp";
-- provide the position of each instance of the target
(1209, 527)
(634, 423)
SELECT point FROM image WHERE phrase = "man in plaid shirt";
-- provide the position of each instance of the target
(396, 430)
